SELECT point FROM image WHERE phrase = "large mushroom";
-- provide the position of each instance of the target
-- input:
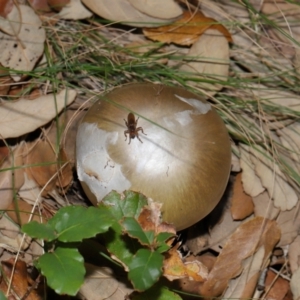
(180, 156)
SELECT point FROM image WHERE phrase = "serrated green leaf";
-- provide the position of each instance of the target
(2, 296)
(161, 239)
(145, 269)
(129, 206)
(64, 270)
(134, 229)
(39, 231)
(121, 246)
(157, 292)
(74, 223)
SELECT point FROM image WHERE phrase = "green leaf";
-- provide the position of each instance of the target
(74, 223)
(157, 292)
(64, 270)
(161, 239)
(121, 246)
(145, 269)
(134, 229)
(128, 206)
(2, 296)
(39, 231)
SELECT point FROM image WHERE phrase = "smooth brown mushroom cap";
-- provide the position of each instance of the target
(183, 162)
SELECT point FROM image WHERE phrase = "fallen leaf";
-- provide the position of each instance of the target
(23, 116)
(241, 203)
(5, 81)
(174, 268)
(21, 283)
(58, 5)
(294, 254)
(122, 11)
(49, 168)
(251, 182)
(241, 244)
(295, 286)
(208, 61)
(11, 177)
(24, 45)
(74, 10)
(244, 285)
(186, 30)
(273, 180)
(167, 9)
(101, 283)
(276, 286)
(21, 213)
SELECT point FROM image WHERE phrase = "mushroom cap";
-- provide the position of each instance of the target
(184, 158)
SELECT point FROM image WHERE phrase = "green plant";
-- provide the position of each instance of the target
(132, 232)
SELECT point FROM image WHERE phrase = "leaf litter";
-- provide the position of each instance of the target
(263, 120)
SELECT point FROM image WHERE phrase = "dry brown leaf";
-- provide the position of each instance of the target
(273, 180)
(10, 236)
(21, 282)
(101, 284)
(25, 213)
(5, 7)
(5, 81)
(186, 30)
(74, 10)
(241, 244)
(295, 286)
(174, 268)
(241, 204)
(219, 234)
(150, 219)
(122, 11)
(23, 116)
(276, 286)
(294, 254)
(167, 9)
(40, 6)
(47, 171)
(24, 45)
(58, 5)
(8, 11)
(30, 191)
(12, 179)
(209, 60)
(244, 285)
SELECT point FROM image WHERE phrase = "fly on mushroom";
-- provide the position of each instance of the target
(132, 128)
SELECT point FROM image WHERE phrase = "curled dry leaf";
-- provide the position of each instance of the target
(174, 268)
(122, 11)
(23, 116)
(74, 10)
(242, 244)
(186, 30)
(209, 60)
(11, 177)
(167, 9)
(25, 45)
